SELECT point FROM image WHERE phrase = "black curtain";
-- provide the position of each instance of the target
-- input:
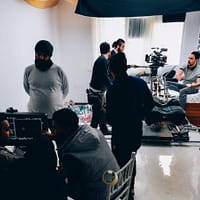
(133, 8)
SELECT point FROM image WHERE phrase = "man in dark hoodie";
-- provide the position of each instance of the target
(45, 82)
(128, 101)
(84, 155)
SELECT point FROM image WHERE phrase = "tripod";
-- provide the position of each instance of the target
(158, 84)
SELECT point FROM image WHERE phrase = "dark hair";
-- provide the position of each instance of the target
(66, 118)
(44, 46)
(114, 44)
(2, 117)
(196, 54)
(104, 47)
(118, 64)
(120, 41)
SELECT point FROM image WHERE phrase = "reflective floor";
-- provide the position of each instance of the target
(168, 172)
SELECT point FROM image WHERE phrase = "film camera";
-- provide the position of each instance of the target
(157, 59)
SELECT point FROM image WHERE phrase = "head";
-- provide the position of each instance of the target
(118, 64)
(120, 45)
(43, 53)
(105, 49)
(65, 123)
(114, 45)
(193, 59)
(5, 130)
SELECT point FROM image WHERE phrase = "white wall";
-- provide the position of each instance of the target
(109, 30)
(169, 35)
(157, 34)
(22, 26)
(73, 38)
(190, 35)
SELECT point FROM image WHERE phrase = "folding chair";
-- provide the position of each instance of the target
(119, 182)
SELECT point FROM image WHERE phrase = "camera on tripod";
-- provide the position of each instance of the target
(157, 59)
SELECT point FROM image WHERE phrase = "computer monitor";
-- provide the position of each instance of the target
(27, 124)
(29, 128)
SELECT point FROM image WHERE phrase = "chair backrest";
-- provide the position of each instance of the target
(119, 182)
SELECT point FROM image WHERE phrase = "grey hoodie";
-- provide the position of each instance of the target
(90, 147)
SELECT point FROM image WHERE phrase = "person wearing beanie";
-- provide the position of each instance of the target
(45, 82)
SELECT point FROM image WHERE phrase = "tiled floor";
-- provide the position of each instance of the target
(168, 172)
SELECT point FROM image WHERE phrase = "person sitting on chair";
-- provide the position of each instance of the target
(7, 157)
(190, 77)
(84, 155)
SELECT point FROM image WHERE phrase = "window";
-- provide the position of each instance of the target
(136, 27)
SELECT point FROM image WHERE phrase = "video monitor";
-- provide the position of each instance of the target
(28, 128)
(26, 124)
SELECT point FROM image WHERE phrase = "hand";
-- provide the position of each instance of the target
(47, 132)
(189, 85)
(182, 78)
(142, 73)
(193, 84)
(134, 66)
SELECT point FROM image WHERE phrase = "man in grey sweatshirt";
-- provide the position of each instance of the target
(45, 82)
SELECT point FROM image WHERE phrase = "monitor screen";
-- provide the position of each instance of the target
(28, 128)
(26, 124)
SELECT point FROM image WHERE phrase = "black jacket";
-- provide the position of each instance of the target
(128, 101)
(100, 79)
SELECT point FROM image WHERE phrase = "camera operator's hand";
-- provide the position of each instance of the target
(142, 73)
(134, 66)
(47, 132)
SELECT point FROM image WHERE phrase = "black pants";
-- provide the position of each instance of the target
(98, 114)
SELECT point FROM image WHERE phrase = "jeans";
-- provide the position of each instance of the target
(183, 91)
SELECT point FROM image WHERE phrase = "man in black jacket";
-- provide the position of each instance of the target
(128, 101)
(99, 84)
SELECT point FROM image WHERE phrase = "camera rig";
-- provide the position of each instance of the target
(157, 59)
(167, 113)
